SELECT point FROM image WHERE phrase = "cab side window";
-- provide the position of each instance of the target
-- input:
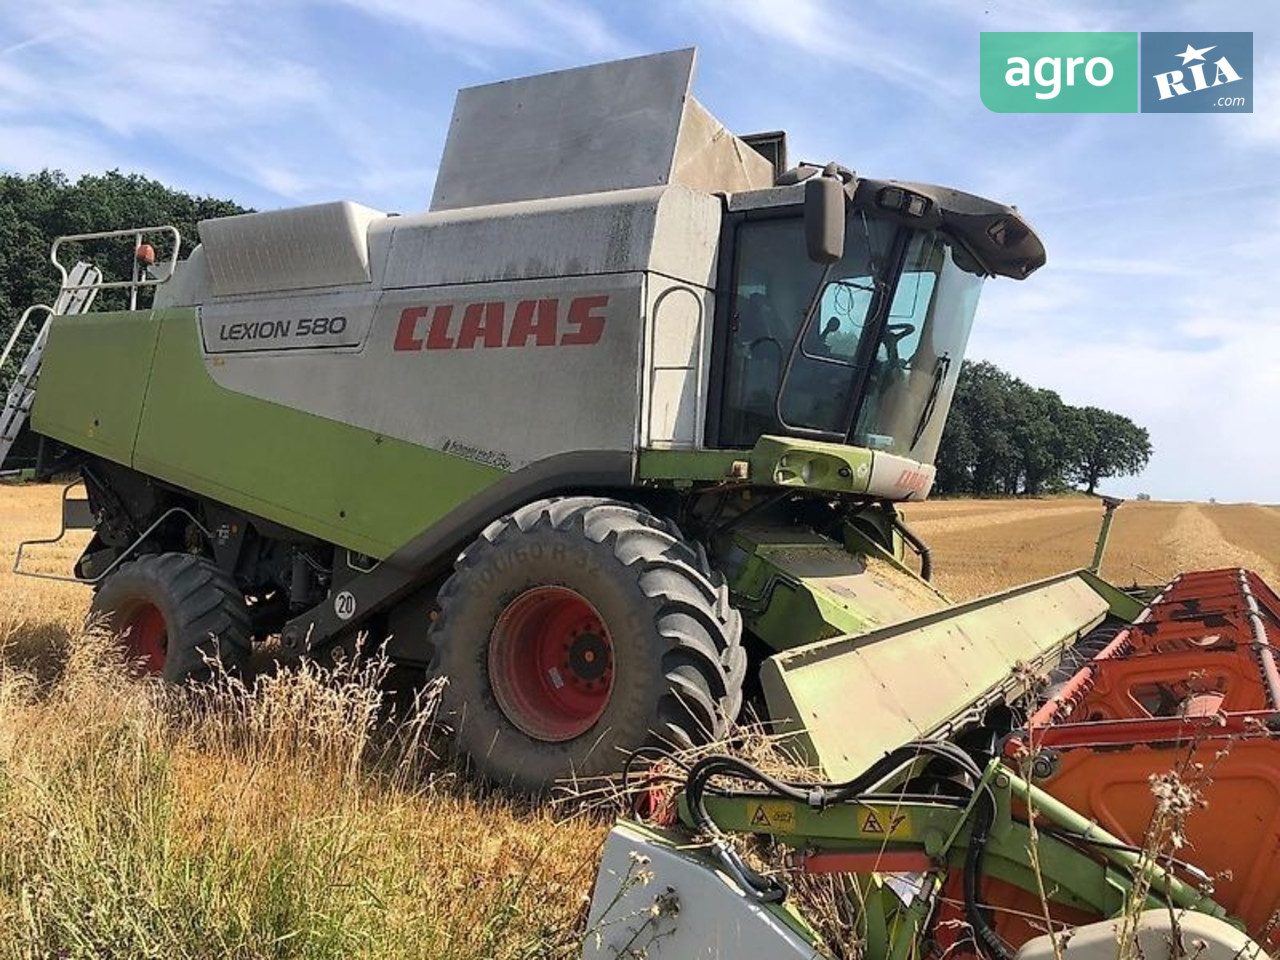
(773, 281)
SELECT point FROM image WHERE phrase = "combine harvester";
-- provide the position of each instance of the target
(612, 437)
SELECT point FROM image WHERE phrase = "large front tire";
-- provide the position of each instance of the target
(177, 614)
(576, 630)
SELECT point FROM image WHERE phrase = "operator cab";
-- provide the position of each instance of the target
(859, 341)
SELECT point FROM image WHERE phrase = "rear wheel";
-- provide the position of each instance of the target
(574, 631)
(174, 610)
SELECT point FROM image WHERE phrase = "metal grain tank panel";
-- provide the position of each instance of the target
(613, 126)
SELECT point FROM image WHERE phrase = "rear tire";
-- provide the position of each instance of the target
(173, 610)
(574, 631)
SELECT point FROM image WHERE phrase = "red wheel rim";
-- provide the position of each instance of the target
(551, 663)
(145, 637)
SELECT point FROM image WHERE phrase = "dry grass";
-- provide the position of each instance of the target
(287, 822)
(283, 822)
(137, 821)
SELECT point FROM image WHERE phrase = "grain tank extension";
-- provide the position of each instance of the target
(623, 415)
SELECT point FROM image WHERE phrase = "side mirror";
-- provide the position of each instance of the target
(824, 206)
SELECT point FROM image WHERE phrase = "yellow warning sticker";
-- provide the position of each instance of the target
(775, 816)
(884, 821)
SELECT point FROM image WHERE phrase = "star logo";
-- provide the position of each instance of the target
(1191, 53)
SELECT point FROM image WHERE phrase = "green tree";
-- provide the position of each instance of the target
(984, 398)
(1005, 437)
(957, 454)
(1113, 446)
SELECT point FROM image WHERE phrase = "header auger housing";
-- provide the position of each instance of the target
(623, 414)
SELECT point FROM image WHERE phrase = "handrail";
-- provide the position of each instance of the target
(139, 278)
(18, 328)
(127, 552)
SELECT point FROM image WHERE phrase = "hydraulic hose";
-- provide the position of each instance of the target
(918, 545)
(815, 795)
(989, 944)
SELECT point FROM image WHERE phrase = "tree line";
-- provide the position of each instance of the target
(1005, 437)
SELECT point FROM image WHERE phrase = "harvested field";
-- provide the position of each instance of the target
(1254, 530)
(980, 546)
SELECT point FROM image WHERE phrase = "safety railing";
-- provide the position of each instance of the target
(141, 263)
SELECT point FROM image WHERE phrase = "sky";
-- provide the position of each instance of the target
(1157, 301)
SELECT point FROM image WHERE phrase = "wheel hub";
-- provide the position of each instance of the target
(589, 657)
(146, 637)
(551, 663)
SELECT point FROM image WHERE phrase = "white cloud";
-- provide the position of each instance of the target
(1076, 17)
(823, 31)
(263, 94)
(41, 38)
(1262, 127)
(533, 25)
(1120, 266)
(234, 88)
(133, 68)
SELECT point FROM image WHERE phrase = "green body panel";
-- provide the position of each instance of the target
(93, 379)
(941, 831)
(918, 677)
(795, 587)
(340, 483)
(773, 461)
(689, 465)
(1120, 604)
(811, 465)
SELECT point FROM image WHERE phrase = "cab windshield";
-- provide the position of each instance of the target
(813, 352)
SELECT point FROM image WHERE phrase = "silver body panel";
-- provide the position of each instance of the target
(322, 245)
(512, 376)
(612, 126)
(653, 899)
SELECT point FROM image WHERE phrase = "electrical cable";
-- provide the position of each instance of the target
(816, 795)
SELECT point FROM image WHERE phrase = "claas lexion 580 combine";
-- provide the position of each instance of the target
(611, 437)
